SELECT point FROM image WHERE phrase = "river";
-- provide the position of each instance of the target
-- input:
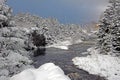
(63, 58)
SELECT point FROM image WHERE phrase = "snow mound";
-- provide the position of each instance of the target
(48, 71)
(103, 65)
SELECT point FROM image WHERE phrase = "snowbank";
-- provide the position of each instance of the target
(62, 45)
(77, 41)
(103, 65)
(48, 71)
(65, 44)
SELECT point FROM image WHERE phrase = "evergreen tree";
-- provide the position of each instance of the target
(109, 32)
(5, 14)
(115, 27)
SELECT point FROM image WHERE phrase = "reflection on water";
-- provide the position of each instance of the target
(39, 52)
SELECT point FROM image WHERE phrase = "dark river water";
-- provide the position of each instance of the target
(63, 58)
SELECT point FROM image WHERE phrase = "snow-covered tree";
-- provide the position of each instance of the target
(5, 14)
(109, 32)
(115, 26)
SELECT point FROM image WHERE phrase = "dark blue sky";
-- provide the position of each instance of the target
(66, 11)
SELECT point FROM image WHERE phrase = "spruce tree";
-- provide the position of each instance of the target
(109, 32)
(115, 27)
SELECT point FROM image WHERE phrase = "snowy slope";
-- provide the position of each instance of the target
(103, 65)
(48, 71)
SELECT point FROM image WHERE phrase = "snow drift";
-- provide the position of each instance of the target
(103, 65)
(48, 71)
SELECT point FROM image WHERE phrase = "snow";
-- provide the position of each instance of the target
(78, 41)
(65, 44)
(26, 30)
(103, 65)
(62, 45)
(48, 71)
(85, 31)
(2, 1)
(34, 28)
(3, 18)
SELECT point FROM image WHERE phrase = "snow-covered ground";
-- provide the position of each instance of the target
(48, 71)
(65, 44)
(61, 45)
(103, 65)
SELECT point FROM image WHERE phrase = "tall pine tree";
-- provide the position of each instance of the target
(109, 32)
(115, 27)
